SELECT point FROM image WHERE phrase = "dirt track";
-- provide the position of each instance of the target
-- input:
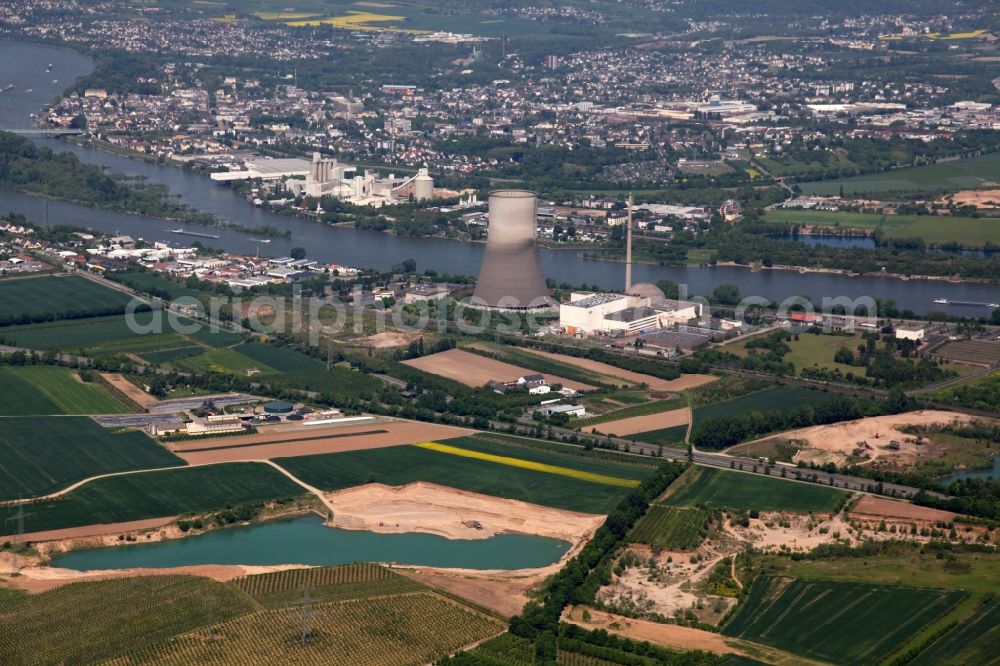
(313, 441)
(637, 424)
(655, 383)
(474, 370)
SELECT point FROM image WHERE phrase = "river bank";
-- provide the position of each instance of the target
(380, 251)
(116, 209)
(847, 273)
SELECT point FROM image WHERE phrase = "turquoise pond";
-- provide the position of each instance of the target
(989, 472)
(306, 540)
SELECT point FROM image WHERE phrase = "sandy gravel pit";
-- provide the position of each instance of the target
(433, 509)
(836, 442)
(474, 370)
(388, 339)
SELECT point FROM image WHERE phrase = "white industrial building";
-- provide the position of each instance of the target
(264, 169)
(569, 410)
(724, 107)
(682, 212)
(914, 333)
(326, 177)
(329, 178)
(642, 310)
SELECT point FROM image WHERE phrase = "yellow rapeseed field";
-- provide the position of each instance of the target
(528, 464)
(972, 34)
(354, 21)
(287, 16)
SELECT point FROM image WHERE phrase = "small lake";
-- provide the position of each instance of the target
(306, 540)
(987, 473)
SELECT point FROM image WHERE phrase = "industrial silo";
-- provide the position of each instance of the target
(511, 275)
(423, 186)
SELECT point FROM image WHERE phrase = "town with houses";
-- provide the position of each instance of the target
(437, 333)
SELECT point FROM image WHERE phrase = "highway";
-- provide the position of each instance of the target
(774, 469)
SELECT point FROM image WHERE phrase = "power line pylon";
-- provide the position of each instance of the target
(306, 613)
(19, 517)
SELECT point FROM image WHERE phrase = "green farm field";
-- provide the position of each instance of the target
(217, 339)
(723, 489)
(28, 299)
(160, 494)
(268, 359)
(340, 383)
(973, 641)
(361, 613)
(813, 351)
(783, 397)
(982, 392)
(969, 173)
(228, 361)
(636, 470)
(41, 455)
(840, 622)
(169, 355)
(98, 336)
(787, 166)
(34, 390)
(337, 583)
(518, 442)
(153, 283)
(405, 464)
(673, 435)
(282, 359)
(671, 527)
(968, 231)
(911, 566)
(411, 628)
(89, 623)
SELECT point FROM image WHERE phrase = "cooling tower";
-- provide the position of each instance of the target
(511, 276)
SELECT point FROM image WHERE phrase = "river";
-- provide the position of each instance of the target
(306, 540)
(19, 62)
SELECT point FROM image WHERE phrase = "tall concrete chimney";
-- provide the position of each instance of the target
(628, 247)
(511, 275)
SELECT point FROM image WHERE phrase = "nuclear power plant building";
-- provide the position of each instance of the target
(511, 276)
